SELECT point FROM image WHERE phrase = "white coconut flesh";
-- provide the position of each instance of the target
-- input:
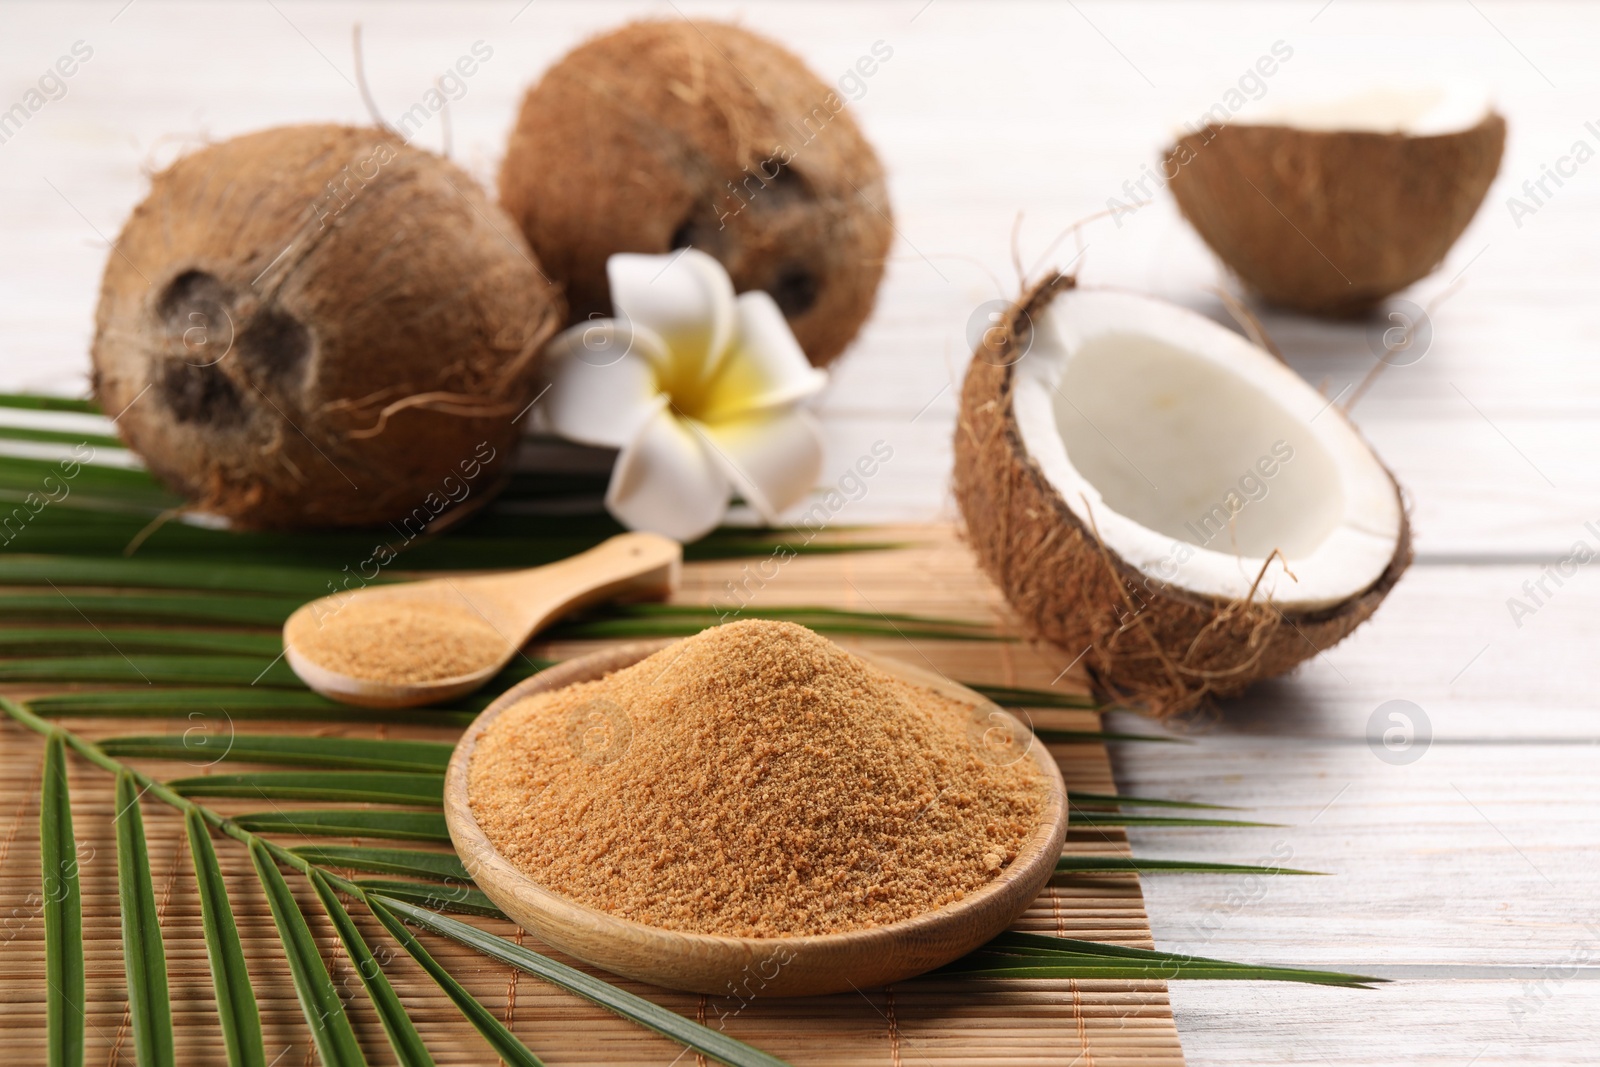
(1196, 455)
(1416, 111)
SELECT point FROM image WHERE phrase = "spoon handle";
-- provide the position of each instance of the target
(631, 565)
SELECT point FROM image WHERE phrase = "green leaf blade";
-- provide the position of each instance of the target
(351, 787)
(505, 1044)
(403, 1037)
(344, 753)
(63, 914)
(670, 1024)
(461, 899)
(339, 822)
(1113, 864)
(144, 956)
(230, 978)
(411, 862)
(313, 986)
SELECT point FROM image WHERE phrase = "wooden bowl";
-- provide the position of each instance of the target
(750, 966)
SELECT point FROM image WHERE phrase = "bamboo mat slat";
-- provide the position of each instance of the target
(924, 1021)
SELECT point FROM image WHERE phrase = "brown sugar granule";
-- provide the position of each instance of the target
(755, 780)
(419, 639)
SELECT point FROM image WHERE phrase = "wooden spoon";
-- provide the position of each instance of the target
(748, 966)
(517, 604)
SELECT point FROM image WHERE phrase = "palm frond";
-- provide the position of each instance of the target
(411, 862)
(403, 1037)
(504, 1042)
(46, 402)
(1018, 955)
(153, 670)
(230, 979)
(19, 640)
(63, 913)
(345, 753)
(1081, 817)
(143, 955)
(1072, 737)
(313, 986)
(348, 787)
(153, 604)
(461, 899)
(701, 1039)
(344, 822)
(240, 703)
(1117, 800)
(1068, 865)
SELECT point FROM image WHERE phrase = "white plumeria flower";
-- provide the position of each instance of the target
(702, 391)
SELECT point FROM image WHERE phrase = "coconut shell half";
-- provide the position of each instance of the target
(319, 326)
(665, 135)
(1331, 222)
(1148, 642)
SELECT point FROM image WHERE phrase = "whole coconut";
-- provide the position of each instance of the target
(663, 135)
(318, 326)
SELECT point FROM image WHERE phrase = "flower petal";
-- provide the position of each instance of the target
(772, 457)
(685, 298)
(765, 367)
(665, 482)
(603, 382)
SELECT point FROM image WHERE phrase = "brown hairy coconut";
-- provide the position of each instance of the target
(1329, 210)
(1164, 500)
(317, 326)
(669, 134)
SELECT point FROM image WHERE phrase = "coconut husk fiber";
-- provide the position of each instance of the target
(677, 133)
(317, 326)
(1331, 223)
(1143, 641)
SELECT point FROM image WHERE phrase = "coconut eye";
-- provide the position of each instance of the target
(195, 312)
(794, 290)
(275, 346)
(197, 393)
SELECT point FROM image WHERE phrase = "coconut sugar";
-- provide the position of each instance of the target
(399, 640)
(755, 780)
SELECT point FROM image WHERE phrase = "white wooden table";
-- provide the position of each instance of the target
(1470, 873)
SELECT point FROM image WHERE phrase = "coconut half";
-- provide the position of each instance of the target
(1329, 206)
(1166, 500)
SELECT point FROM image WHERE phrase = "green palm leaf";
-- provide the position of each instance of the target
(669, 1024)
(302, 582)
(236, 1000)
(1106, 864)
(152, 670)
(1014, 696)
(461, 899)
(412, 862)
(144, 957)
(187, 607)
(20, 641)
(403, 1036)
(63, 913)
(45, 402)
(339, 822)
(1073, 737)
(319, 1000)
(346, 753)
(1018, 955)
(238, 703)
(503, 1041)
(354, 787)
(1081, 817)
(1114, 800)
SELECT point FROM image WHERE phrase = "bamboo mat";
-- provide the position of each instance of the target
(923, 1021)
